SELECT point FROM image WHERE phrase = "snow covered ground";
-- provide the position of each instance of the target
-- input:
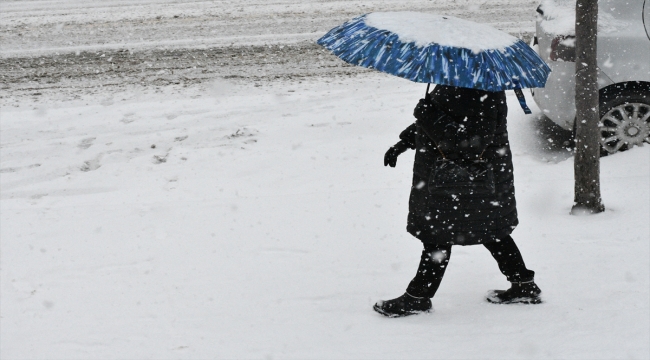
(263, 225)
(218, 219)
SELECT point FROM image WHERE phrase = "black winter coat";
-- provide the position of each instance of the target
(463, 124)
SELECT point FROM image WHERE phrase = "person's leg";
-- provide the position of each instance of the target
(433, 264)
(416, 299)
(511, 263)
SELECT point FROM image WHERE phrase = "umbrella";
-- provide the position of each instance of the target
(429, 48)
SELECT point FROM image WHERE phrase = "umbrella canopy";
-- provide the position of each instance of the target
(438, 49)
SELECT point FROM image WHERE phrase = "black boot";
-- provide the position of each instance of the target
(404, 305)
(519, 293)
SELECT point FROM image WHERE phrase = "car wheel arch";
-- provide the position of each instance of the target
(611, 92)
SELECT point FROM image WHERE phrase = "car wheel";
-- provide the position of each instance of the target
(624, 121)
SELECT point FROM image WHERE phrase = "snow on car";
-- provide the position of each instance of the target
(623, 69)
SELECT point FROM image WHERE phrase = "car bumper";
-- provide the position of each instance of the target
(557, 99)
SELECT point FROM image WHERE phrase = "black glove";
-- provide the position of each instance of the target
(423, 109)
(391, 155)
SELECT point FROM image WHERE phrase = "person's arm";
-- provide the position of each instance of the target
(424, 112)
(408, 136)
(407, 141)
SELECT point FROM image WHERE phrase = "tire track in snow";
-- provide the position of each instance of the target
(67, 50)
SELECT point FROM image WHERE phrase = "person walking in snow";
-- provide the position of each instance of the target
(461, 125)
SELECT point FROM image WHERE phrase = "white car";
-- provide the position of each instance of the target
(623, 69)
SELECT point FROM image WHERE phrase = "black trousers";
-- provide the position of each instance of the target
(435, 259)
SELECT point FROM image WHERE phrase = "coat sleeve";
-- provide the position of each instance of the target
(408, 136)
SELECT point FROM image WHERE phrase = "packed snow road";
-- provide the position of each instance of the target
(71, 48)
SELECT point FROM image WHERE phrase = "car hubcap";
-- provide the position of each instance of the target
(624, 126)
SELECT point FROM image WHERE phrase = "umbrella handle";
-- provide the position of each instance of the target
(426, 94)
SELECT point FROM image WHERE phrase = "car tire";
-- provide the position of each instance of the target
(624, 118)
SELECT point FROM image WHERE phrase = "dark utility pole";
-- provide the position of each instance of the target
(587, 155)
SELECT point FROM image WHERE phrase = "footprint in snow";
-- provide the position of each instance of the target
(16, 169)
(128, 118)
(243, 132)
(91, 165)
(86, 143)
(245, 135)
(159, 159)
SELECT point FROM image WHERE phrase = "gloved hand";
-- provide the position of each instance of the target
(423, 109)
(391, 155)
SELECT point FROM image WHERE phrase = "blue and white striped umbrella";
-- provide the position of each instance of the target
(438, 49)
